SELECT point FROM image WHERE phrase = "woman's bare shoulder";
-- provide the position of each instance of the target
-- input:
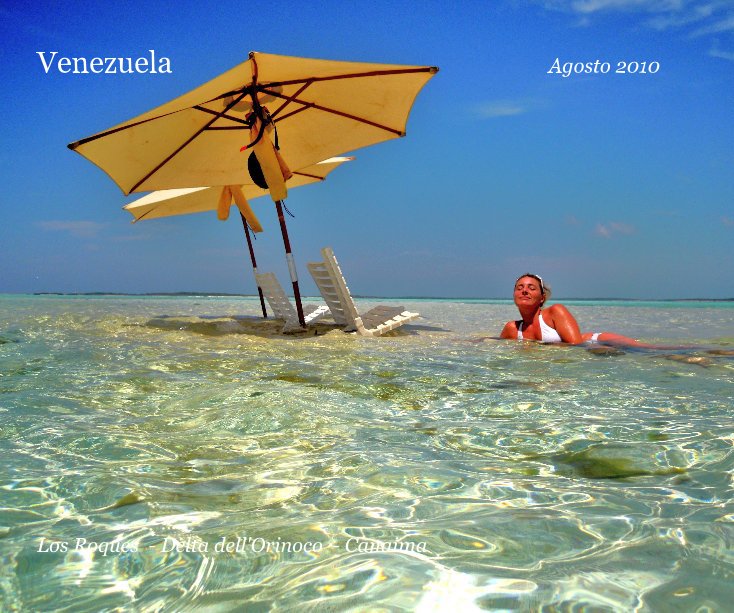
(510, 330)
(557, 309)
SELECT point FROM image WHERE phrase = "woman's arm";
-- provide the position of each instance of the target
(564, 323)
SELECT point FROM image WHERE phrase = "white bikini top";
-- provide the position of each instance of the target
(547, 334)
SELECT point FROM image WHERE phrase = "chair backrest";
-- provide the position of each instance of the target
(278, 301)
(340, 286)
(328, 291)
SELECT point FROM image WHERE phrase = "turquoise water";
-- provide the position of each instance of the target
(177, 454)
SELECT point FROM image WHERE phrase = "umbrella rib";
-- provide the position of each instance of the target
(289, 99)
(305, 107)
(232, 92)
(73, 146)
(144, 215)
(313, 105)
(309, 80)
(190, 139)
(223, 116)
(356, 75)
(76, 144)
(294, 97)
(305, 174)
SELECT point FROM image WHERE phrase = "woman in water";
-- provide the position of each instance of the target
(553, 324)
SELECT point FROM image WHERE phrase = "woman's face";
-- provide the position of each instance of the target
(527, 292)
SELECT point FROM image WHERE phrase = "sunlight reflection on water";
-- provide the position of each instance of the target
(415, 472)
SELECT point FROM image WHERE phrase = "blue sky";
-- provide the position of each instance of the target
(608, 185)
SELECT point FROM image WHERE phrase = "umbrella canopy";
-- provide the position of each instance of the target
(164, 203)
(320, 108)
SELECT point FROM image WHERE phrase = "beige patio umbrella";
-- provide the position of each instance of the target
(292, 112)
(170, 202)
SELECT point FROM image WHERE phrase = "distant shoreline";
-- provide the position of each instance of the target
(227, 295)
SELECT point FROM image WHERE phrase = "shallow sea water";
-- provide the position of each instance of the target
(421, 471)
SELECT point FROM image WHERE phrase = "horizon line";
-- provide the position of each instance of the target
(365, 296)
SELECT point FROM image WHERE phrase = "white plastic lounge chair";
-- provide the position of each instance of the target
(281, 305)
(330, 281)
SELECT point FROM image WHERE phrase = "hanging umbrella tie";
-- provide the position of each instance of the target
(275, 129)
(267, 119)
(252, 119)
(287, 211)
(234, 192)
(262, 114)
(267, 167)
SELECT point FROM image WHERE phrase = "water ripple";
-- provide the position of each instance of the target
(425, 472)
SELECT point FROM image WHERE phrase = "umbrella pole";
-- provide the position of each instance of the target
(254, 264)
(291, 263)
